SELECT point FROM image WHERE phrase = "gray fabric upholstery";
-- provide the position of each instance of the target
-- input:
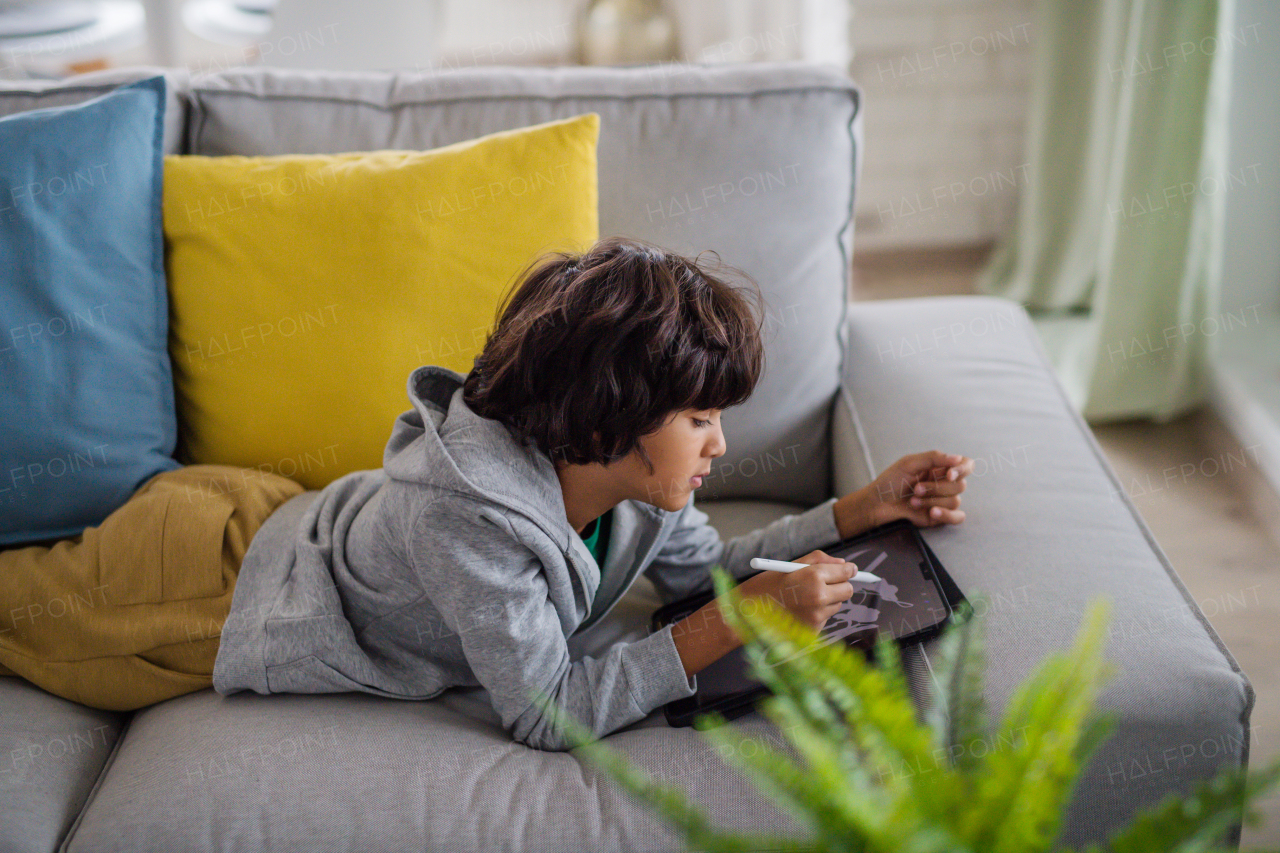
(17, 96)
(340, 772)
(755, 162)
(52, 752)
(1048, 527)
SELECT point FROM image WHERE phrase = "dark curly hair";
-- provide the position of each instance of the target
(592, 351)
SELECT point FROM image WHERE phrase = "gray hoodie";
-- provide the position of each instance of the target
(455, 565)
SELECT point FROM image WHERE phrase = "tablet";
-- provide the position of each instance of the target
(911, 603)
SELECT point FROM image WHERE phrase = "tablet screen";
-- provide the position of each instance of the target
(910, 601)
(854, 622)
(905, 602)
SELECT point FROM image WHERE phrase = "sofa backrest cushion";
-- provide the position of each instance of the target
(756, 162)
(19, 96)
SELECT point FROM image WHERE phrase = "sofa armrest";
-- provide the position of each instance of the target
(1048, 528)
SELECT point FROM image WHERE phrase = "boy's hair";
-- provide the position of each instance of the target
(611, 342)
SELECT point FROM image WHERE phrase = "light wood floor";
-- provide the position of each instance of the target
(1220, 532)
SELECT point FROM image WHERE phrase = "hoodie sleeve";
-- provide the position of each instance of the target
(683, 567)
(492, 592)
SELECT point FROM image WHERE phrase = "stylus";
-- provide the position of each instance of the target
(787, 566)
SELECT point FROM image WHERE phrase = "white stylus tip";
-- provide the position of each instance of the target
(776, 565)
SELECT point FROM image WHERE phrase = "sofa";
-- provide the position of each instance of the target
(759, 162)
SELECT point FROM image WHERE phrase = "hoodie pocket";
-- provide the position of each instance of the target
(160, 547)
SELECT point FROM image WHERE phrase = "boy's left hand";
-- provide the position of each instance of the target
(923, 487)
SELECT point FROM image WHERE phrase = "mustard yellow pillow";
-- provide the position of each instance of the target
(304, 289)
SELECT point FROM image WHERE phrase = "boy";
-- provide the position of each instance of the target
(517, 504)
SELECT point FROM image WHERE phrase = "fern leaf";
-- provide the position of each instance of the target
(818, 709)
(888, 659)
(669, 801)
(1022, 790)
(958, 716)
(1181, 825)
(887, 737)
(882, 720)
(818, 801)
(825, 701)
(862, 808)
(845, 717)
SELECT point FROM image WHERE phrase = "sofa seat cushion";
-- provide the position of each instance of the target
(52, 754)
(347, 772)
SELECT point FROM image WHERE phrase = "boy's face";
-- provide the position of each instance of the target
(681, 450)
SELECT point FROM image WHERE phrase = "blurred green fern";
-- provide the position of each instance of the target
(877, 779)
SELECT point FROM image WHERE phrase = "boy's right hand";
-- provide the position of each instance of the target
(812, 595)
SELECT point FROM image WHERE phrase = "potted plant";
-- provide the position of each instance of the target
(877, 778)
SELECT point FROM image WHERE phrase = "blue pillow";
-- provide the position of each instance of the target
(86, 391)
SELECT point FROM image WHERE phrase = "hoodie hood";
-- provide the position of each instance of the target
(442, 442)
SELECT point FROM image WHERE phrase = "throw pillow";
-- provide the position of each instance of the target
(87, 411)
(306, 288)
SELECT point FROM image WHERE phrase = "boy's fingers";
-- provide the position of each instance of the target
(939, 487)
(950, 472)
(834, 572)
(923, 462)
(941, 515)
(838, 595)
(938, 459)
(945, 501)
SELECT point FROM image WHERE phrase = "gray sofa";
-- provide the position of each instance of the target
(758, 162)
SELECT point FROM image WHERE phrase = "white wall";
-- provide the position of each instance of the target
(946, 93)
(502, 32)
(490, 31)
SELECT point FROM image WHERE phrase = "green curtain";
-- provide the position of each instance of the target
(1116, 249)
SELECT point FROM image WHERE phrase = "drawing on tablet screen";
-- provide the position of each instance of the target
(856, 620)
(888, 592)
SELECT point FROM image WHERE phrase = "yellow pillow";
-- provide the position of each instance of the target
(304, 289)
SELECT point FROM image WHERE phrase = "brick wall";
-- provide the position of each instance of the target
(946, 93)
